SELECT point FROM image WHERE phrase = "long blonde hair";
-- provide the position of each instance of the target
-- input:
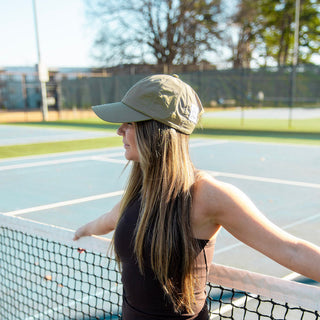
(164, 177)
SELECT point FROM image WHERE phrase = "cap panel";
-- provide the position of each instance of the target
(164, 98)
(118, 112)
(152, 96)
(187, 111)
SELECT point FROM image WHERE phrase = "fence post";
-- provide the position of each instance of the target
(294, 62)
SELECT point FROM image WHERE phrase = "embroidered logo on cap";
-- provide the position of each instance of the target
(194, 111)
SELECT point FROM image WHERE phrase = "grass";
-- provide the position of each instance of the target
(301, 131)
(61, 146)
(275, 125)
(80, 124)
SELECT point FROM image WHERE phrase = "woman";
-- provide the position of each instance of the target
(169, 217)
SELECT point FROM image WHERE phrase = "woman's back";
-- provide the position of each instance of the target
(143, 295)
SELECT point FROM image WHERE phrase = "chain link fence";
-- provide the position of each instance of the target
(264, 87)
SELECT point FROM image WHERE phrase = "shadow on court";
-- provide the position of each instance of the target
(259, 133)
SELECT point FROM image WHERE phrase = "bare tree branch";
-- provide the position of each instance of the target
(172, 31)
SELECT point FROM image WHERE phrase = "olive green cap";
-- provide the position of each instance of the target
(164, 98)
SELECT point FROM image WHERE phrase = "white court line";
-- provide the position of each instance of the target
(61, 161)
(207, 142)
(279, 144)
(106, 155)
(288, 226)
(301, 221)
(193, 141)
(263, 179)
(113, 160)
(107, 158)
(59, 154)
(43, 163)
(99, 294)
(64, 203)
(103, 157)
(291, 277)
(239, 302)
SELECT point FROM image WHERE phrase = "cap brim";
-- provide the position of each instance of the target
(118, 112)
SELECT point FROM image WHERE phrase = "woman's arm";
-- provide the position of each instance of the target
(102, 225)
(237, 214)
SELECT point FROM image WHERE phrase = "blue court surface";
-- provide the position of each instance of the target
(15, 135)
(70, 189)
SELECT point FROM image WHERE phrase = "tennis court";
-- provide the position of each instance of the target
(16, 135)
(69, 189)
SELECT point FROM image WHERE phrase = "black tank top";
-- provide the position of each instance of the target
(143, 297)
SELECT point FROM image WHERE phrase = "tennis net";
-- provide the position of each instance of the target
(45, 275)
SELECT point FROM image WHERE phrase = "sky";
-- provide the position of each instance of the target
(66, 35)
(64, 32)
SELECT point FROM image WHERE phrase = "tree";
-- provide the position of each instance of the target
(265, 29)
(277, 17)
(246, 23)
(166, 32)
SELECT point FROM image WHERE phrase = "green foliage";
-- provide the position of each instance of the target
(277, 36)
(169, 32)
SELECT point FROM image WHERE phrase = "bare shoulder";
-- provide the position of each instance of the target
(206, 205)
(214, 197)
(216, 203)
(209, 190)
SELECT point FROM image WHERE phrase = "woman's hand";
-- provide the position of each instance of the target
(102, 225)
(82, 232)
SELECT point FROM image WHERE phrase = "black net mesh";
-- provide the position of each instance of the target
(225, 303)
(45, 279)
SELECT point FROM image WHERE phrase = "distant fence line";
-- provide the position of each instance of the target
(234, 87)
(36, 115)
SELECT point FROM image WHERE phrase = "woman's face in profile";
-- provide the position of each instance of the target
(128, 131)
